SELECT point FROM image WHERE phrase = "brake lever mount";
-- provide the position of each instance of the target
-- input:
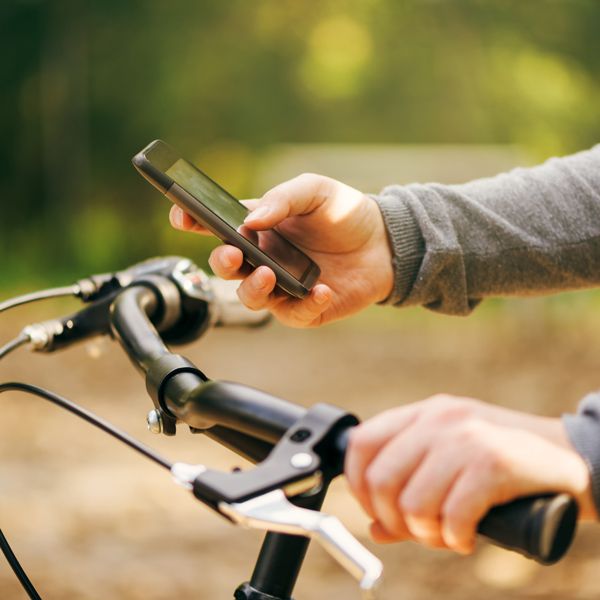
(303, 460)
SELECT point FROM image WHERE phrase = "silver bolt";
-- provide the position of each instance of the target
(302, 460)
(154, 421)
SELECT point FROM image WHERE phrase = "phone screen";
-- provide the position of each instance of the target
(233, 212)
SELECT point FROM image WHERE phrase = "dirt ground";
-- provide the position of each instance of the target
(92, 520)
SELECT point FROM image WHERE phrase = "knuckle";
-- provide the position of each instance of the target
(444, 407)
(309, 176)
(272, 197)
(456, 515)
(412, 506)
(377, 481)
(471, 432)
(437, 408)
(360, 440)
(492, 464)
(438, 400)
(319, 183)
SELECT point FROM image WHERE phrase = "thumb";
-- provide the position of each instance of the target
(298, 196)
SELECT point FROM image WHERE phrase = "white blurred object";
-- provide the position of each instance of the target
(370, 167)
(229, 310)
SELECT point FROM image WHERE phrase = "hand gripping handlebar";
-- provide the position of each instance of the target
(171, 299)
(252, 422)
(309, 455)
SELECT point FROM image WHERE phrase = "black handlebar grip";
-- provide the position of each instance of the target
(540, 527)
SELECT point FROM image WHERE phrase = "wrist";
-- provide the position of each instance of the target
(384, 256)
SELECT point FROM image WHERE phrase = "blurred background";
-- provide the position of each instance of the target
(371, 92)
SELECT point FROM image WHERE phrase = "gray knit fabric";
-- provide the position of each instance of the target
(529, 231)
(583, 430)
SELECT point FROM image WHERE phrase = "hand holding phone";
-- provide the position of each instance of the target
(222, 214)
(341, 227)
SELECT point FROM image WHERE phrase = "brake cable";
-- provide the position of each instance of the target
(20, 340)
(78, 290)
(93, 420)
(17, 568)
(69, 290)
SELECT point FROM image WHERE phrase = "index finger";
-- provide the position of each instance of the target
(299, 196)
(367, 440)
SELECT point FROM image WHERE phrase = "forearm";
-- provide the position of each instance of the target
(528, 231)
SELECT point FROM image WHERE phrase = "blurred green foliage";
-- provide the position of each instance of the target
(85, 84)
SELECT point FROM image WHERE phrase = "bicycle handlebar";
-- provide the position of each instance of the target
(251, 421)
(170, 300)
(186, 303)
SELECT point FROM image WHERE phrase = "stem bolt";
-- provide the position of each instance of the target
(154, 421)
(301, 460)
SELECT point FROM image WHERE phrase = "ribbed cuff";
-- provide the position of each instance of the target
(408, 245)
(583, 430)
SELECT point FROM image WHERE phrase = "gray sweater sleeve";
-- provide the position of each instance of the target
(528, 231)
(533, 230)
(583, 430)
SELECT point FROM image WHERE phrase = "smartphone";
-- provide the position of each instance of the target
(222, 214)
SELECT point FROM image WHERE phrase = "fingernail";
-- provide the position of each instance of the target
(226, 262)
(261, 284)
(177, 217)
(260, 213)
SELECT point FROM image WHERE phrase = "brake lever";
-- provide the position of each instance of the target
(274, 512)
(303, 460)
